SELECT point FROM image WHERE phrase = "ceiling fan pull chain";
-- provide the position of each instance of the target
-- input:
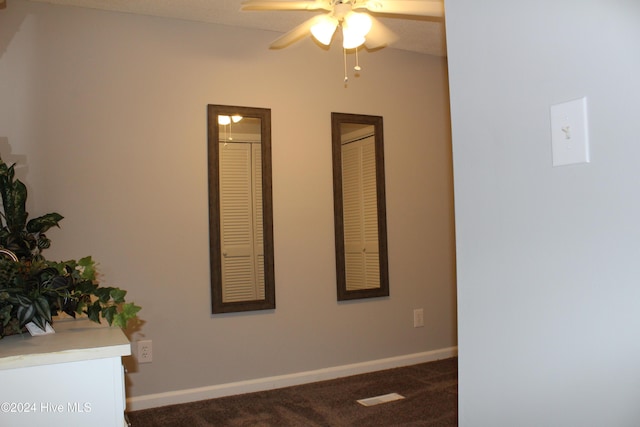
(357, 67)
(346, 79)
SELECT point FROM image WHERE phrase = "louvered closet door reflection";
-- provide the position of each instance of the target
(360, 215)
(238, 222)
(371, 255)
(258, 228)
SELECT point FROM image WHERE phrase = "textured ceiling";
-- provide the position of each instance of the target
(424, 35)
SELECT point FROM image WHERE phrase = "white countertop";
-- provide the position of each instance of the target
(74, 340)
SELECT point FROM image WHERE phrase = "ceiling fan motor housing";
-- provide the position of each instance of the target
(340, 10)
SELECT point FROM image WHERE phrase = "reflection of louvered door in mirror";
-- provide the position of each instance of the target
(240, 209)
(258, 228)
(241, 221)
(359, 206)
(360, 212)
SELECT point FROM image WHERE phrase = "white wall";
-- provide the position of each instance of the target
(548, 271)
(106, 114)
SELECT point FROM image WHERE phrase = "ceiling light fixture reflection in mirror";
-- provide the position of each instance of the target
(240, 209)
(359, 206)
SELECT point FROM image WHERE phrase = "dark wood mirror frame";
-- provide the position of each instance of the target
(215, 248)
(337, 119)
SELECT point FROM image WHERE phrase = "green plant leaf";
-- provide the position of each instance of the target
(80, 307)
(103, 294)
(43, 308)
(25, 314)
(23, 300)
(43, 223)
(85, 287)
(88, 267)
(127, 312)
(14, 205)
(117, 295)
(93, 311)
(43, 242)
(109, 312)
(59, 283)
(5, 314)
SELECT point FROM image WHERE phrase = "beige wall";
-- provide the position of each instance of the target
(106, 114)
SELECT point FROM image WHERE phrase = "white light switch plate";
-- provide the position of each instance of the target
(569, 132)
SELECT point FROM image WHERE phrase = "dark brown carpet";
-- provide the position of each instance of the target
(430, 391)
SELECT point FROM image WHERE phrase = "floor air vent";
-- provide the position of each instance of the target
(385, 398)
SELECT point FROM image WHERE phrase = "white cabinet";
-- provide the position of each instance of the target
(71, 378)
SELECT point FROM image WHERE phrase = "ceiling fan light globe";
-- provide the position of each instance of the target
(224, 120)
(359, 23)
(236, 118)
(351, 39)
(323, 30)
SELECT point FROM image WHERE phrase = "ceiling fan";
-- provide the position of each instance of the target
(358, 26)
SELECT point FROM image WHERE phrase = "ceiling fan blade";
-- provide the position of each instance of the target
(296, 34)
(433, 8)
(286, 5)
(379, 36)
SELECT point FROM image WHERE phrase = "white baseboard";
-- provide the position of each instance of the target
(270, 383)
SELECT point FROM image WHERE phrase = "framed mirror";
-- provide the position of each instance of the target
(240, 209)
(359, 206)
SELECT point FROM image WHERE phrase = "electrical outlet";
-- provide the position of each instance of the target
(418, 318)
(145, 351)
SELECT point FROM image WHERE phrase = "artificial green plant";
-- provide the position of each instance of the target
(34, 289)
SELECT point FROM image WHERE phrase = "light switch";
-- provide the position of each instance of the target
(569, 132)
